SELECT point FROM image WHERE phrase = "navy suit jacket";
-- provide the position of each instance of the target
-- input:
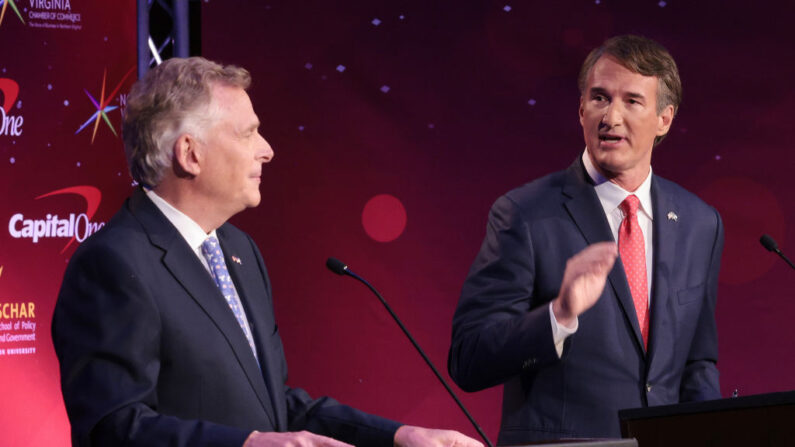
(502, 331)
(150, 353)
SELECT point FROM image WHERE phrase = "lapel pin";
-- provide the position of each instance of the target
(672, 216)
(237, 260)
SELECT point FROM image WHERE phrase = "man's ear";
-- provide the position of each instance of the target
(187, 156)
(665, 119)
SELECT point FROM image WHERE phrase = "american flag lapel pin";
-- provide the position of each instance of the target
(237, 260)
(672, 216)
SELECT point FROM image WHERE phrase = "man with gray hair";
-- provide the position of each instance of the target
(595, 287)
(164, 326)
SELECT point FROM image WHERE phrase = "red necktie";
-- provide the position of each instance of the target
(632, 249)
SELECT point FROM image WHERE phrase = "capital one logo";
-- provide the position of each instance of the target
(75, 226)
(9, 124)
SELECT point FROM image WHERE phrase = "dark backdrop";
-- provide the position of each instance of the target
(446, 105)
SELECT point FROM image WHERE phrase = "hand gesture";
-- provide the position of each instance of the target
(583, 281)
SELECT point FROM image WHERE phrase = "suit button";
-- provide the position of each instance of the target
(648, 388)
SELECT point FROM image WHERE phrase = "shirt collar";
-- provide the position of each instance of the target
(187, 227)
(611, 195)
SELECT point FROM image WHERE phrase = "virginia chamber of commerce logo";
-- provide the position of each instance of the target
(53, 14)
(9, 124)
(75, 226)
(103, 106)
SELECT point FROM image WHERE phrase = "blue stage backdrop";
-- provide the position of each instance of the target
(397, 124)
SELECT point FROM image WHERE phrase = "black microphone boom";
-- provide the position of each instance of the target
(339, 267)
(770, 244)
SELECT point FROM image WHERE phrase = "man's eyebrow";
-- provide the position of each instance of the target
(635, 95)
(602, 91)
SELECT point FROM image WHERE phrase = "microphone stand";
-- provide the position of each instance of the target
(343, 269)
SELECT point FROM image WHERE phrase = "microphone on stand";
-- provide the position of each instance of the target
(770, 244)
(339, 267)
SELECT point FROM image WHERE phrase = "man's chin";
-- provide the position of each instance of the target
(608, 165)
(254, 202)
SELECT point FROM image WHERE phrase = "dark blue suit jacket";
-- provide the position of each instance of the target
(502, 331)
(151, 354)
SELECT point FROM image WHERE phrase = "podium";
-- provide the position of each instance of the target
(758, 420)
(586, 443)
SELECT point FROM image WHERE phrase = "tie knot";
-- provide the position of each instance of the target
(630, 205)
(210, 246)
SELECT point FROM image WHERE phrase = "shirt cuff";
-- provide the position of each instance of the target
(561, 332)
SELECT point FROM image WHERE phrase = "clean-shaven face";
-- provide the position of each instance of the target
(618, 114)
(234, 152)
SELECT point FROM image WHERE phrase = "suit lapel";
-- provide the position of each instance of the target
(584, 207)
(182, 263)
(665, 233)
(254, 300)
(587, 213)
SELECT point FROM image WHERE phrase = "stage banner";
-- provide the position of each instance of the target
(65, 69)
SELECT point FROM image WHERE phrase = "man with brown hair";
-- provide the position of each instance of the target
(164, 325)
(595, 287)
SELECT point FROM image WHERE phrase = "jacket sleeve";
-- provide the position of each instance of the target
(324, 416)
(501, 327)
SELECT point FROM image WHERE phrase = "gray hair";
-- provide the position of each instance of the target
(172, 99)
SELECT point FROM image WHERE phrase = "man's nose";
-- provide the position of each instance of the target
(613, 115)
(265, 153)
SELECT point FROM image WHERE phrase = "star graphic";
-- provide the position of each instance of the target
(102, 105)
(13, 6)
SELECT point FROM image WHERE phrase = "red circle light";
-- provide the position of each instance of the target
(384, 218)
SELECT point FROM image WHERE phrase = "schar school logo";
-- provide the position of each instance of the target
(9, 124)
(5, 4)
(103, 106)
(76, 226)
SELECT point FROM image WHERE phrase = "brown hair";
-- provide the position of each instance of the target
(644, 56)
(172, 99)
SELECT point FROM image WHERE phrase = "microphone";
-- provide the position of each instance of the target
(336, 266)
(770, 244)
(339, 267)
